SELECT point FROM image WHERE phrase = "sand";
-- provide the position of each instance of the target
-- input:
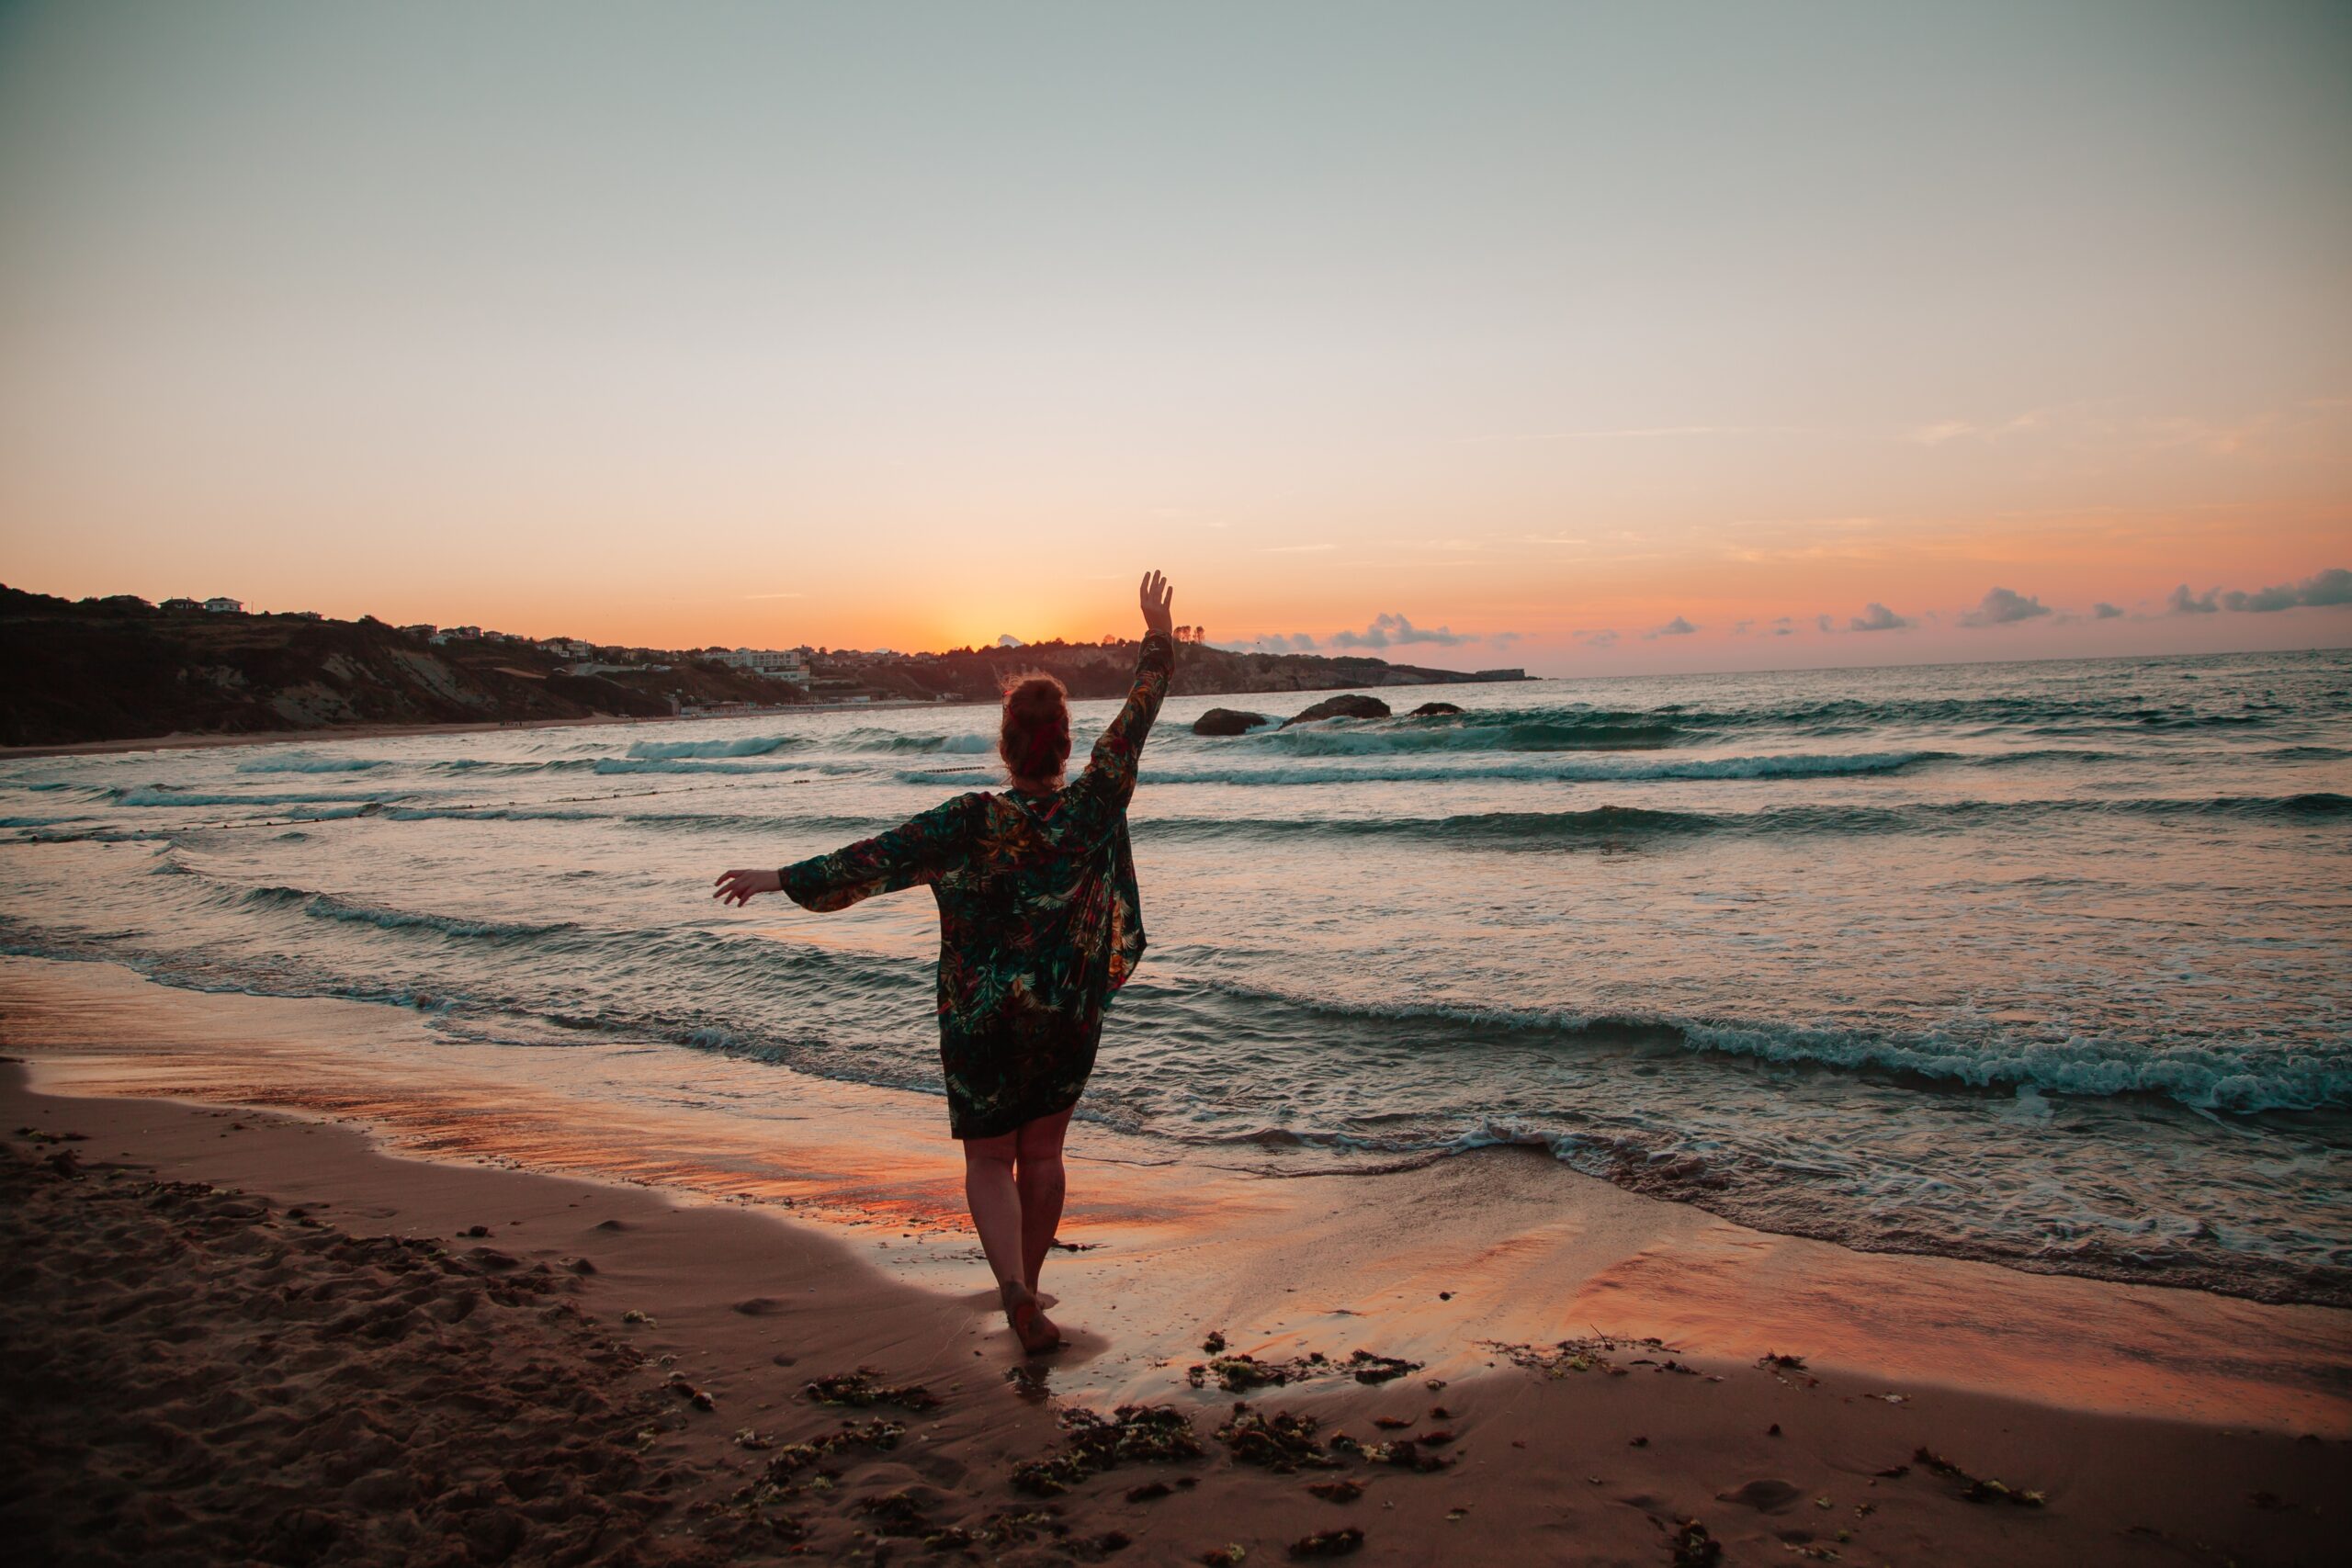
(201, 1376)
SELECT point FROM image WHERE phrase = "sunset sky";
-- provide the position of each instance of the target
(1591, 339)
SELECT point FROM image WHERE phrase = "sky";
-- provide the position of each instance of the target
(1592, 340)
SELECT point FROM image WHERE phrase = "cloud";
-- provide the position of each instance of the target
(2103, 611)
(1784, 631)
(1296, 549)
(1822, 623)
(1936, 434)
(1390, 628)
(2332, 586)
(1877, 618)
(2005, 606)
(1008, 640)
(1633, 433)
(1675, 628)
(1271, 642)
(1605, 638)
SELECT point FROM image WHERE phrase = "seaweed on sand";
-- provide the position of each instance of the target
(1979, 1489)
(1133, 1434)
(1566, 1356)
(896, 1513)
(1372, 1369)
(790, 1459)
(1007, 1527)
(863, 1387)
(1237, 1372)
(1343, 1542)
(1281, 1442)
(1240, 1373)
(1405, 1453)
(1694, 1548)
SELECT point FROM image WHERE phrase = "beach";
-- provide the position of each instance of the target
(1895, 1115)
(1609, 1368)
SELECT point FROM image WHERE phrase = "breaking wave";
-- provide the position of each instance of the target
(1594, 770)
(2205, 1076)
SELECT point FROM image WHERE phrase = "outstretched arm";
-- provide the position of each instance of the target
(1109, 782)
(922, 849)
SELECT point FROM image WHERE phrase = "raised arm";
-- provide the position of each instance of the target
(1109, 782)
(922, 849)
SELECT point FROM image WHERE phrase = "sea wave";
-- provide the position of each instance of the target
(267, 763)
(1603, 823)
(166, 795)
(1352, 738)
(869, 740)
(489, 814)
(747, 746)
(1593, 770)
(328, 907)
(625, 765)
(2205, 1076)
(1572, 725)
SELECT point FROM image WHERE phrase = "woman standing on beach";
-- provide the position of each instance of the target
(1039, 922)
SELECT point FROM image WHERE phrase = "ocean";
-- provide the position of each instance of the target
(2045, 964)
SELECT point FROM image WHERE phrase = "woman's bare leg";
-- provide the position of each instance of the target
(995, 1202)
(1038, 1176)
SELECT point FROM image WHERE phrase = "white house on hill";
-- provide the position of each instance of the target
(225, 606)
(784, 664)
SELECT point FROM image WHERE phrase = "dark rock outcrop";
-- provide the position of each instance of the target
(1347, 704)
(1226, 721)
(1435, 710)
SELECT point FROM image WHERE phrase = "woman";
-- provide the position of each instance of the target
(1039, 923)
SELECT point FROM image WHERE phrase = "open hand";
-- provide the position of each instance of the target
(1157, 598)
(737, 886)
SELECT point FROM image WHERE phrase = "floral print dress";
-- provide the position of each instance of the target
(1039, 918)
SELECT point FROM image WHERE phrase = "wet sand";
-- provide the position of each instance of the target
(2152, 1423)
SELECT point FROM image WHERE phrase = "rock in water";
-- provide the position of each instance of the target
(1350, 705)
(1435, 710)
(1227, 721)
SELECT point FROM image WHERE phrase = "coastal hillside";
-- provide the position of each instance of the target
(120, 668)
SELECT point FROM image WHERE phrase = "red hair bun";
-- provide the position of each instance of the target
(1035, 738)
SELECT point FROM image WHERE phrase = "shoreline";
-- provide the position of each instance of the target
(1611, 1456)
(1502, 1243)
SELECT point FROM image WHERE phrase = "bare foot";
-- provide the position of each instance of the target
(1030, 1325)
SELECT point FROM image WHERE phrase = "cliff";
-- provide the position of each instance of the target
(119, 669)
